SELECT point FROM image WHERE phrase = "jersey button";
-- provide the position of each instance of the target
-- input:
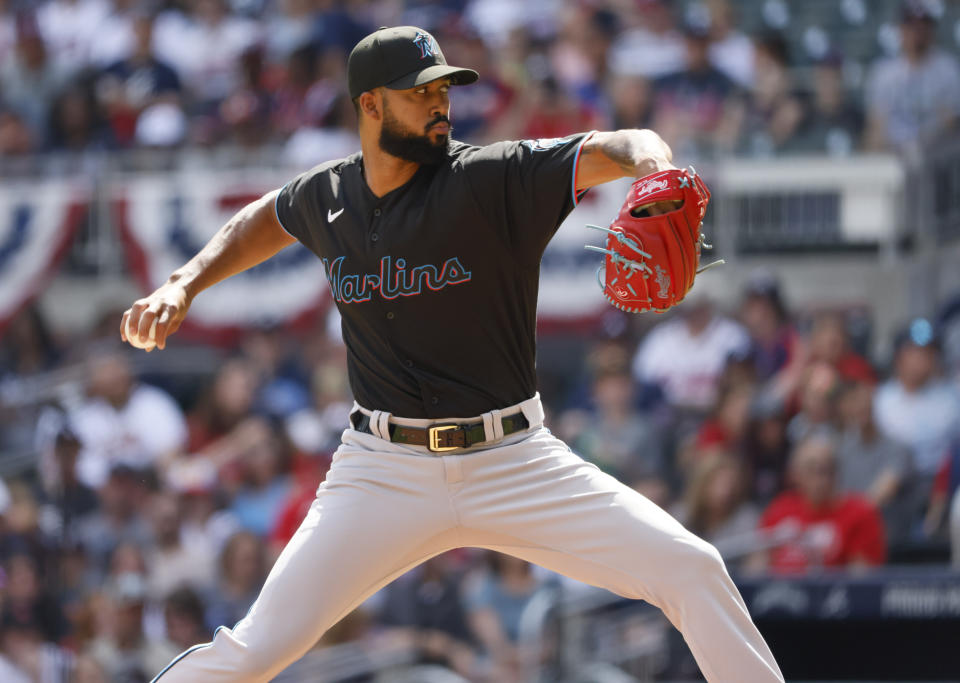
(374, 237)
(390, 315)
(408, 363)
(434, 400)
(377, 212)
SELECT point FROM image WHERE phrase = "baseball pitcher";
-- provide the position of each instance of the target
(432, 250)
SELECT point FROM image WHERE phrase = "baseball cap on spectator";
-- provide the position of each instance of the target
(920, 333)
(764, 284)
(398, 58)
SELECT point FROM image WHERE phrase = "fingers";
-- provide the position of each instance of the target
(148, 313)
(165, 326)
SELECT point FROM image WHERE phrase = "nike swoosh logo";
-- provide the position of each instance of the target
(331, 216)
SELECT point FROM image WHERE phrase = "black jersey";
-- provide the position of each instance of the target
(437, 281)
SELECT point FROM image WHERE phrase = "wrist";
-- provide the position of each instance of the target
(185, 280)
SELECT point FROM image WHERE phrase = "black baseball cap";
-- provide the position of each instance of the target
(400, 57)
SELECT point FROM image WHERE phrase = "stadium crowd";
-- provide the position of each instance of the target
(150, 520)
(89, 75)
(157, 505)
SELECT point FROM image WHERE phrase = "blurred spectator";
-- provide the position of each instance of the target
(32, 657)
(766, 448)
(686, 354)
(715, 506)
(621, 441)
(814, 525)
(116, 34)
(70, 28)
(946, 483)
(833, 123)
(183, 616)
(224, 405)
(68, 500)
(651, 49)
(205, 46)
(913, 98)
(16, 139)
(818, 404)
(204, 520)
(119, 519)
(730, 50)
(545, 110)
(830, 343)
(242, 571)
(775, 111)
(631, 101)
(872, 464)
(916, 406)
(28, 600)
(75, 122)
(123, 651)
(317, 429)
(265, 485)
(775, 346)
(425, 607)
(245, 111)
(578, 56)
(27, 345)
(123, 422)
(496, 599)
(173, 563)
(282, 378)
(726, 427)
(129, 86)
(289, 28)
(477, 110)
(30, 81)
(697, 109)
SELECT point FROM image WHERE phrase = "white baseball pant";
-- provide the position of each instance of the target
(385, 508)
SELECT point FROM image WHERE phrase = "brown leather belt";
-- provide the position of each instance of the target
(441, 437)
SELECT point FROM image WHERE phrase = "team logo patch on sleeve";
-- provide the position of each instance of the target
(542, 144)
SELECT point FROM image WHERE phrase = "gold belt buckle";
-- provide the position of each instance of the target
(433, 442)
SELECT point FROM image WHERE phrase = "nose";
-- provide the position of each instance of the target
(440, 104)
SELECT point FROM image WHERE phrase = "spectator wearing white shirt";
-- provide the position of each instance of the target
(731, 51)
(123, 422)
(205, 47)
(686, 355)
(653, 49)
(916, 406)
(70, 28)
(914, 97)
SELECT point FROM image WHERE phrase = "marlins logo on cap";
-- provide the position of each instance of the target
(428, 47)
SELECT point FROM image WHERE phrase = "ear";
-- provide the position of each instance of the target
(370, 104)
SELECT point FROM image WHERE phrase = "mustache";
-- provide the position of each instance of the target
(440, 119)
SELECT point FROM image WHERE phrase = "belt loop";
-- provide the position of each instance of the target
(497, 424)
(488, 430)
(532, 409)
(375, 424)
(383, 424)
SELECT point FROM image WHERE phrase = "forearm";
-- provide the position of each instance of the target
(623, 153)
(250, 237)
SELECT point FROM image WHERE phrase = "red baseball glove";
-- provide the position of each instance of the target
(653, 246)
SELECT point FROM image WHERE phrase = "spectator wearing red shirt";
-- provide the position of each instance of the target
(819, 526)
